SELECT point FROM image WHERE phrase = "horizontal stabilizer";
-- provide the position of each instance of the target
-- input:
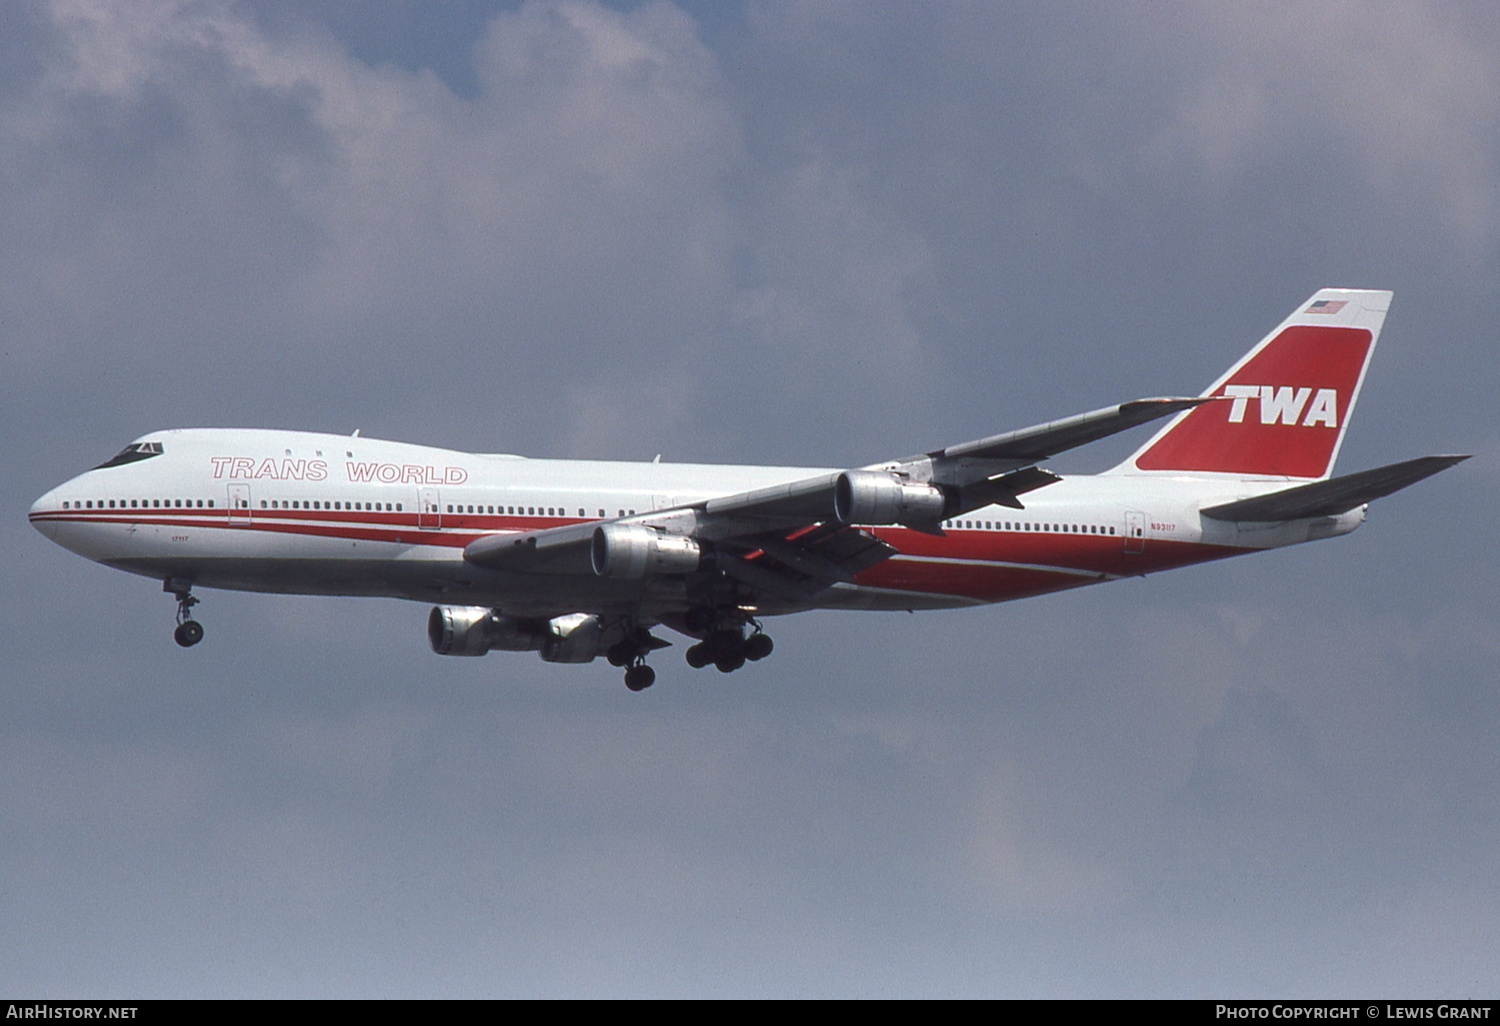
(1337, 495)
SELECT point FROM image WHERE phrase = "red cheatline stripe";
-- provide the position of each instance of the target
(980, 554)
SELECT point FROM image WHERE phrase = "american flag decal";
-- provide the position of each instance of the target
(1326, 306)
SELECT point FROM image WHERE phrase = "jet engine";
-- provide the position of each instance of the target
(631, 551)
(575, 638)
(873, 497)
(475, 630)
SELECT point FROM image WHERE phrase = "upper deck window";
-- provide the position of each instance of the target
(132, 453)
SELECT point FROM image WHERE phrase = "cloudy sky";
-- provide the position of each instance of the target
(822, 233)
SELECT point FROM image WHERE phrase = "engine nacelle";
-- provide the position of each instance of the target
(575, 638)
(475, 630)
(631, 551)
(874, 497)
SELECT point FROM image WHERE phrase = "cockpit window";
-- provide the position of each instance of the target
(133, 453)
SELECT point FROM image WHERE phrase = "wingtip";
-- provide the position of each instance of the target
(1164, 405)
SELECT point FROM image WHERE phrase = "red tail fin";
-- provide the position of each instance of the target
(1285, 405)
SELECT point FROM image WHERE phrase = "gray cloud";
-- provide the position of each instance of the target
(786, 233)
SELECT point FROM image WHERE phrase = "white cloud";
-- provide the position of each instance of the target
(623, 239)
(582, 226)
(1411, 89)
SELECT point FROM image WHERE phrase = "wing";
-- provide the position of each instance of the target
(793, 542)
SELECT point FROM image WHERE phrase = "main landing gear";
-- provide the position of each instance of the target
(189, 631)
(728, 648)
(631, 652)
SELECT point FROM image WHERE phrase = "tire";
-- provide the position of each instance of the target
(188, 633)
(758, 646)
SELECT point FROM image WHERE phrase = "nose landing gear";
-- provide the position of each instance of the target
(189, 631)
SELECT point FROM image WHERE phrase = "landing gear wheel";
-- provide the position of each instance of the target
(189, 631)
(699, 656)
(758, 646)
(639, 678)
(730, 662)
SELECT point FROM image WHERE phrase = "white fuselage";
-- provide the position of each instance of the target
(283, 511)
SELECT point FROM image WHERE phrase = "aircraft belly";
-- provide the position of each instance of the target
(877, 599)
(976, 580)
(424, 574)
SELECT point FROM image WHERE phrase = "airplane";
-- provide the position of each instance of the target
(580, 559)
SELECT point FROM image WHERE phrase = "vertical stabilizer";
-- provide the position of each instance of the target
(1283, 408)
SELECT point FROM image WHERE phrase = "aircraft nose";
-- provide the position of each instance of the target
(41, 515)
